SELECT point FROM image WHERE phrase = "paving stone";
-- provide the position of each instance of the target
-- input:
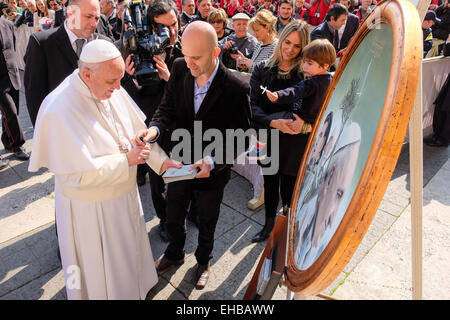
(163, 290)
(18, 269)
(390, 207)
(381, 222)
(50, 286)
(243, 232)
(237, 193)
(228, 219)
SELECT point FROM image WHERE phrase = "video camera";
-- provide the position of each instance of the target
(142, 42)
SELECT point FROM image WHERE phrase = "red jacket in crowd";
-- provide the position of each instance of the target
(315, 18)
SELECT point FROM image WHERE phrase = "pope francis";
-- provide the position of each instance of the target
(83, 135)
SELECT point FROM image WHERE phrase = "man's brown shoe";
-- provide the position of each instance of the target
(202, 276)
(162, 264)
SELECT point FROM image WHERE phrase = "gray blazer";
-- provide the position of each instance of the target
(9, 59)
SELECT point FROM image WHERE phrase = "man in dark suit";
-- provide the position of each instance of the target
(200, 92)
(203, 8)
(350, 27)
(60, 12)
(329, 29)
(53, 54)
(12, 135)
(27, 16)
(188, 13)
(60, 16)
(108, 8)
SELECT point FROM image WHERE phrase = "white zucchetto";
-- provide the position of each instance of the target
(99, 51)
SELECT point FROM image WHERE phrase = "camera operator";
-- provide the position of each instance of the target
(148, 96)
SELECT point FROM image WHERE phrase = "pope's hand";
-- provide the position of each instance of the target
(138, 155)
(170, 163)
(148, 135)
(204, 166)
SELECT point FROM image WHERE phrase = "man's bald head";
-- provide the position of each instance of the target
(202, 32)
(200, 50)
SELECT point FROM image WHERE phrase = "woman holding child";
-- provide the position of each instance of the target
(276, 97)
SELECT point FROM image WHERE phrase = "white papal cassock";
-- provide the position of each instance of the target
(105, 250)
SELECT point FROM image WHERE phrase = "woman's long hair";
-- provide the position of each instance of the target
(44, 13)
(299, 26)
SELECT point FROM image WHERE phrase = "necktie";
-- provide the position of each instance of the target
(336, 40)
(79, 43)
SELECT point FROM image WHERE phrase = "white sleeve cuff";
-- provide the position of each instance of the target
(157, 136)
(211, 161)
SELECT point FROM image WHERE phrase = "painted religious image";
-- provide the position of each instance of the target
(342, 145)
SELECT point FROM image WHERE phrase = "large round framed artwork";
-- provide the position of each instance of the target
(354, 146)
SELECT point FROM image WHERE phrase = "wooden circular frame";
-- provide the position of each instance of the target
(403, 19)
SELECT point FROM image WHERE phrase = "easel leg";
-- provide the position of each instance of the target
(416, 176)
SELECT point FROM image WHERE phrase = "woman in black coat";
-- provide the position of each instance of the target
(280, 71)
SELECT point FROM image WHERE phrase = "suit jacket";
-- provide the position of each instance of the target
(185, 19)
(49, 59)
(322, 31)
(26, 18)
(104, 28)
(112, 24)
(442, 29)
(9, 70)
(351, 26)
(225, 106)
(447, 50)
(60, 17)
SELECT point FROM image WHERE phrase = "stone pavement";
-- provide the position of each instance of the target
(380, 268)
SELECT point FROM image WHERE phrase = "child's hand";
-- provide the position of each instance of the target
(273, 96)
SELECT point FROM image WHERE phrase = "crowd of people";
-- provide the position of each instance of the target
(81, 90)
